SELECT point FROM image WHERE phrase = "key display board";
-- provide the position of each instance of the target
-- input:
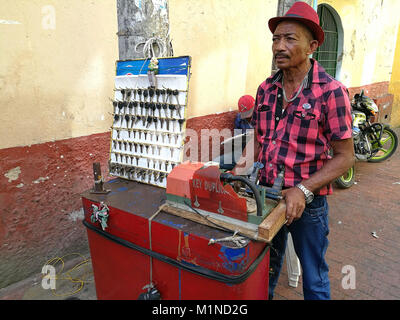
(149, 119)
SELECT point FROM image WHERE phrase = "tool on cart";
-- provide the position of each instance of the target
(200, 192)
(98, 179)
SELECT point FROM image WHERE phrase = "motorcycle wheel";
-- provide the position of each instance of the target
(389, 141)
(346, 180)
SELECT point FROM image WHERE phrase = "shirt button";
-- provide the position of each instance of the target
(274, 142)
(277, 118)
(270, 165)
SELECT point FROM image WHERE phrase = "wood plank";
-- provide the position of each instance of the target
(265, 231)
(211, 221)
(273, 222)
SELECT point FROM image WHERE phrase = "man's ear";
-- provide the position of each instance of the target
(313, 46)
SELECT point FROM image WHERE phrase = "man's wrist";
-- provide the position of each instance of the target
(308, 195)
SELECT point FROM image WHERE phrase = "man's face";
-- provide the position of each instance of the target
(292, 43)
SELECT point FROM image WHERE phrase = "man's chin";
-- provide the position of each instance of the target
(280, 64)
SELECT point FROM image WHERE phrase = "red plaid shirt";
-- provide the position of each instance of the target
(300, 137)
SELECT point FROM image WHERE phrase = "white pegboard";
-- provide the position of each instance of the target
(148, 131)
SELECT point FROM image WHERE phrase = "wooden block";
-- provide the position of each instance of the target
(273, 222)
(215, 221)
(264, 232)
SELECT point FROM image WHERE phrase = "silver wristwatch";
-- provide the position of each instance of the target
(308, 195)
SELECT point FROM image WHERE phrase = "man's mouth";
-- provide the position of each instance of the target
(281, 56)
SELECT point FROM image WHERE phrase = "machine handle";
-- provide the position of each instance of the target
(229, 177)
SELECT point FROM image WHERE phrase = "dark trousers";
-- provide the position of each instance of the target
(309, 234)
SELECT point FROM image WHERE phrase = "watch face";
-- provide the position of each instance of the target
(309, 198)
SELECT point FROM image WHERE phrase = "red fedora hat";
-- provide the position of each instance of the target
(303, 13)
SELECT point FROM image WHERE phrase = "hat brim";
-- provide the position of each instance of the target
(246, 114)
(312, 26)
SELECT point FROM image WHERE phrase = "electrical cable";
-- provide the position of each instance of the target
(68, 275)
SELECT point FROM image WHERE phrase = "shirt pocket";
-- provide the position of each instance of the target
(304, 122)
(265, 123)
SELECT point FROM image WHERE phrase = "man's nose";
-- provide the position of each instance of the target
(279, 45)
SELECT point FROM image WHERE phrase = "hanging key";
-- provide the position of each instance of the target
(165, 107)
(173, 124)
(161, 123)
(115, 105)
(116, 118)
(134, 104)
(151, 93)
(162, 92)
(149, 121)
(181, 122)
(169, 93)
(153, 108)
(178, 108)
(140, 91)
(171, 108)
(128, 94)
(172, 152)
(155, 120)
(158, 106)
(159, 152)
(123, 93)
(133, 118)
(130, 107)
(124, 106)
(147, 106)
(145, 94)
(141, 107)
(158, 92)
(127, 118)
(120, 106)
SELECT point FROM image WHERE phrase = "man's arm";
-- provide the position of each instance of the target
(343, 160)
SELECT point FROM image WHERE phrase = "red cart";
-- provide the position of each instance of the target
(140, 245)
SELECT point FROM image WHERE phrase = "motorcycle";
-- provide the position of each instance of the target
(373, 142)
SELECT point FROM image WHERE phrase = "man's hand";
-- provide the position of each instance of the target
(295, 204)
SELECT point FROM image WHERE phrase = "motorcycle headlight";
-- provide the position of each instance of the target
(373, 108)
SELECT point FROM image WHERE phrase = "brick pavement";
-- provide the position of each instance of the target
(373, 204)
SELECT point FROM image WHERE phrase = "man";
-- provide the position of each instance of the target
(301, 112)
(242, 123)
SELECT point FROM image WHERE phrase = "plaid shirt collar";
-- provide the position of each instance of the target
(316, 74)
